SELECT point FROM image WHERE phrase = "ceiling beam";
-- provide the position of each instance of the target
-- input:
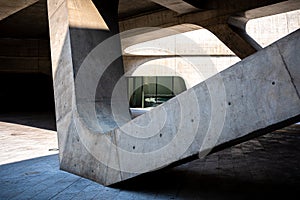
(220, 9)
(10, 7)
(195, 20)
(137, 36)
(178, 6)
(273, 9)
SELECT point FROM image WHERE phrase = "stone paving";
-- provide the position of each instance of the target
(262, 168)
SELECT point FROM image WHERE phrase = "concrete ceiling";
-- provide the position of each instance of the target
(31, 21)
(129, 8)
(8, 8)
(178, 6)
(24, 23)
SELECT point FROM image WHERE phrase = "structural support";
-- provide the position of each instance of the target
(76, 29)
(179, 6)
(276, 8)
(139, 35)
(98, 141)
(235, 39)
(214, 16)
(238, 24)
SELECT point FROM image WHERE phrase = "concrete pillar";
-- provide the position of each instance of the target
(77, 28)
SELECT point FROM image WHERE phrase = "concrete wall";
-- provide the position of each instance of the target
(267, 30)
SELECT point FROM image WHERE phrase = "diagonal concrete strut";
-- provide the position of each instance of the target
(99, 141)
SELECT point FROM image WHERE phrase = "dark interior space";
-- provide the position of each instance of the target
(26, 92)
(25, 66)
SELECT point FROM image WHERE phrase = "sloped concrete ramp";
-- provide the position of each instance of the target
(97, 138)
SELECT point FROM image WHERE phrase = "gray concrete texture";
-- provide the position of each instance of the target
(97, 138)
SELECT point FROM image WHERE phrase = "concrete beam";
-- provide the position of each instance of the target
(216, 19)
(10, 7)
(178, 6)
(273, 9)
(140, 35)
(236, 41)
(132, 62)
(97, 141)
(211, 10)
(238, 24)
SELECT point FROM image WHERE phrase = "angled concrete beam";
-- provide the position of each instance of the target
(216, 19)
(273, 9)
(10, 7)
(236, 41)
(178, 6)
(211, 10)
(238, 24)
(98, 141)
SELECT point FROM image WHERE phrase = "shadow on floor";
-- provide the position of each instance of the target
(262, 168)
(45, 120)
(194, 185)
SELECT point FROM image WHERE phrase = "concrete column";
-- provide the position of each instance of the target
(85, 78)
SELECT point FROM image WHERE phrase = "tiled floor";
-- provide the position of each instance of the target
(262, 168)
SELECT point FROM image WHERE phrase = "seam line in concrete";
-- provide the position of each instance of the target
(65, 188)
(114, 137)
(287, 69)
(80, 190)
(65, 115)
(49, 17)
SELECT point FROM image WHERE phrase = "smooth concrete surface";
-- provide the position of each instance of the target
(96, 142)
(178, 6)
(263, 168)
